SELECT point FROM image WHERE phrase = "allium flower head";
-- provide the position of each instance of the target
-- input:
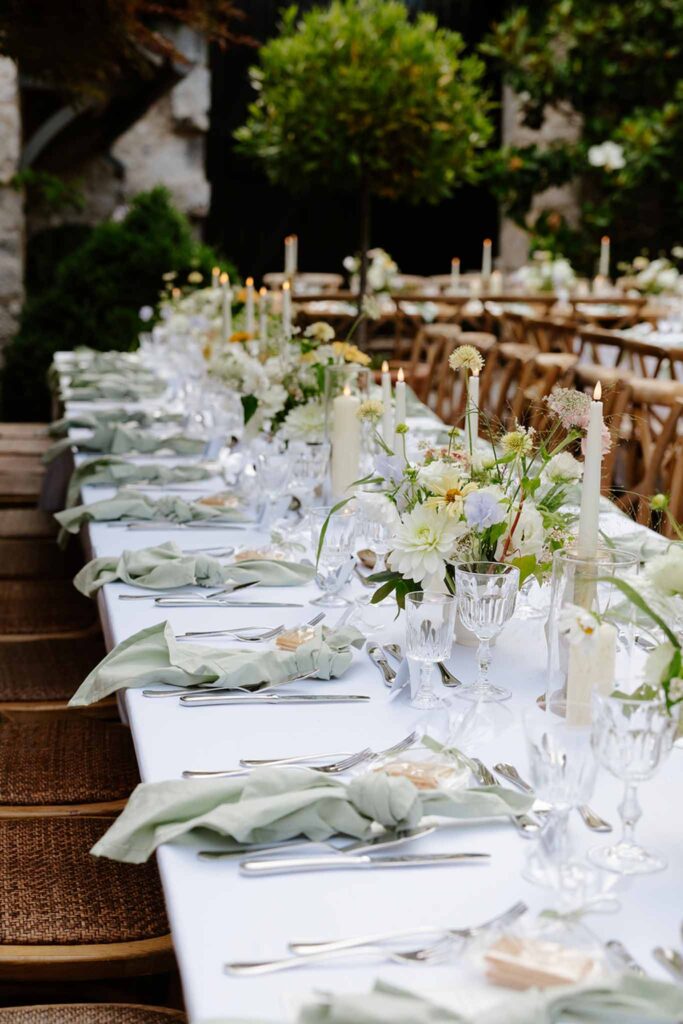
(466, 357)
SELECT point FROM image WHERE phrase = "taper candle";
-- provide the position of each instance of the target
(388, 413)
(603, 266)
(227, 307)
(287, 308)
(587, 541)
(486, 258)
(472, 421)
(215, 277)
(399, 410)
(249, 322)
(263, 314)
(455, 272)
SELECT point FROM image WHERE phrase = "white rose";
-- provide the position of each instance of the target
(562, 468)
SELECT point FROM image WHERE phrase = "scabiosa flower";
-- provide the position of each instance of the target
(483, 509)
(518, 442)
(466, 357)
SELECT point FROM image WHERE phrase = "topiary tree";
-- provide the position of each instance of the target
(357, 97)
(619, 67)
(95, 296)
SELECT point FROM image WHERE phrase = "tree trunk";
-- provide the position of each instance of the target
(364, 246)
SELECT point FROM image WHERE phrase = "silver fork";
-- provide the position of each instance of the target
(241, 631)
(230, 589)
(334, 768)
(592, 820)
(369, 755)
(422, 955)
(509, 915)
(527, 826)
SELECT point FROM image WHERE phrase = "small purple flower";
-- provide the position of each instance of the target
(482, 509)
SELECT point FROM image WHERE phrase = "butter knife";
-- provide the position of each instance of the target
(265, 866)
(376, 655)
(202, 700)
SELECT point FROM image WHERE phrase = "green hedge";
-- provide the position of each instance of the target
(95, 296)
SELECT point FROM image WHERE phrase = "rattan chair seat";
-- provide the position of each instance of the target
(43, 607)
(25, 430)
(591, 373)
(46, 670)
(563, 360)
(19, 523)
(37, 559)
(90, 1013)
(481, 340)
(66, 761)
(31, 446)
(54, 892)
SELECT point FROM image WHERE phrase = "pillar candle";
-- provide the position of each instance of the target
(227, 307)
(590, 668)
(249, 323)
(472, 421)
(263, 314)
(399, 410)
(486, 258)
(587, 543)
(287, 309)
(346, 432)
(455, 272)
(291, 254)
(387, 415)
(603, 266)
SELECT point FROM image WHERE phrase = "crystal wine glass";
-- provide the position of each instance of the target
(273, 468)
(562, 772)
(486, 593)
(631, 738)
(430, 623)
(335, 560)
(309, 467)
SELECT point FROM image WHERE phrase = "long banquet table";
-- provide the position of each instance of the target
(217, 916)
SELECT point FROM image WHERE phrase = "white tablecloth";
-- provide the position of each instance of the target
(217, 916)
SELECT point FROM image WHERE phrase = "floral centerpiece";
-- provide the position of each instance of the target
(382, 271)
(653, 277)
(545, 273)
(502, 501)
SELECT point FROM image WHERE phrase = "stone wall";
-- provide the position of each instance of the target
(557, 125)
(11, 204)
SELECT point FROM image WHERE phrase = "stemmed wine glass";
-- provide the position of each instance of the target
(430, 623)
(309, 462)
(273, 468)
(562, 772)
(486, 593)
(631, 738)
(335, 559)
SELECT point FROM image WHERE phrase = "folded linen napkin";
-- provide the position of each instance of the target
(154, 656)
(111, 469)
(275, 804)
(119, 438)
(625, 999)
(118, 389)
(133, 505)
(107, 417)
(92, 359)
(165, 567)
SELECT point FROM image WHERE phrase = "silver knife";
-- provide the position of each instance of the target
(203, 602)
(339, 861)
(200, 700)
(205, 524)
(376, 655)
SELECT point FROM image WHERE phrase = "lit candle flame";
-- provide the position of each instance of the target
(401, 375)
(285, 286)
(216, 271)
(488, 243)
(347, 391)
(475, 371)
(250, 282)
(605, 239)
(455, 262)
(597, 393)
(263, 291)
(225, 279)
(385, 367)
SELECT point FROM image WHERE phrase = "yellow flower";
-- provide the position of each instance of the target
(242, 336)
(448, 488)
(350, 353)
(518, 442)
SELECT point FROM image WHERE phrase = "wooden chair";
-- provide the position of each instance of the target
(25, 430)
(500, 378)
(307, 283)
(65, 766)
(450, 391)
(652, 426)
(90, 1013)
(38, 677)
(66, 915)
(635, 355)
(616, 400)
(425, 355)
(550, 334)
(538, 376)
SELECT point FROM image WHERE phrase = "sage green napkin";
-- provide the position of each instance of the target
(107, 417)
(165, 567)
(111, 469)
(133, 505)
(154, 656)
(275, 804)
(118, 389)
(618, 1000)
(119, 438)
(84, 358)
